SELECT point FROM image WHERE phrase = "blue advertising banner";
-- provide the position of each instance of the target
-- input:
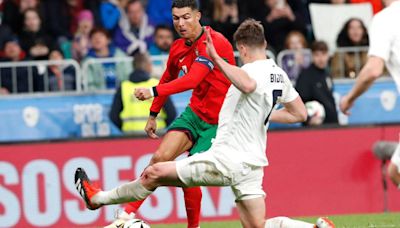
(86, 115)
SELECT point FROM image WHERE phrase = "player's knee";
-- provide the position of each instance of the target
(153, 173)
(158, 156)
(394, 174)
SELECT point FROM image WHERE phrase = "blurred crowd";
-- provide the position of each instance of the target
(85, 30)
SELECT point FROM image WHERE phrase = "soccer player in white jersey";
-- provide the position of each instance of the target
(237, 156)
(384, 49)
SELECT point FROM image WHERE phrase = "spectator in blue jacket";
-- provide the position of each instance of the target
(108, 74)
(160, 12)
(110, 12)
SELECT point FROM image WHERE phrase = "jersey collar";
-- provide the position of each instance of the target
(190, 43)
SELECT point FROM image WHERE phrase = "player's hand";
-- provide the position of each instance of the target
(151, 127)
(345, 105)
(143, 93)
(210, 46)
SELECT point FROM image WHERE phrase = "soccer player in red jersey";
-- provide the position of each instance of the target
(188, 68)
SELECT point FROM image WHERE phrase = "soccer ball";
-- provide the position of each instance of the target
(315, 112)
(136, 223)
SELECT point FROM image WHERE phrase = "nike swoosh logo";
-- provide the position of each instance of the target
(181, 60)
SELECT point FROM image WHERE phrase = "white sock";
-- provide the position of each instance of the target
(132, 191)
(285, 222)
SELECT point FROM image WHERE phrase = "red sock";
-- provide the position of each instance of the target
(193, 205)
(133, 207)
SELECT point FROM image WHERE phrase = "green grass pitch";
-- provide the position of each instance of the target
(384, 220)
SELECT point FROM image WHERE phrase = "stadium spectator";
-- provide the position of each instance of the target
(110, 12)
(61, 18)
(384, 50)
(13, 12)
(353, 34)
(61, 77)
(163, 39)
(297, 60)
(225, 17)
(14, 53)
(5, 34)
(81, 43)
(33, 39)
(314, 83)
(128, 113)
(279, 18)
(160, 12)
(134, 32)
(105, 75)
(94, 7)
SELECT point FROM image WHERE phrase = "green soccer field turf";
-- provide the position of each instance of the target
(387, 220)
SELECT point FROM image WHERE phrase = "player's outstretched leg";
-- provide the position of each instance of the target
(285, 222)
(160, 174)
(85, 188)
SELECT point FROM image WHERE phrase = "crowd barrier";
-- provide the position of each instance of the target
(356, 51)
(72, 115)
(311, 173)
(285, 59)
(39, 69)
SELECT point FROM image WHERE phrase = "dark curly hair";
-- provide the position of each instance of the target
(185, 3)
(343, 39)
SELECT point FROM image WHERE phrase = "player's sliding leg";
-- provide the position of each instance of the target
(156, 175)
(285, 222)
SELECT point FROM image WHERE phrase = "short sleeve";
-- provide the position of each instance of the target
(380, 38)
(289, 92)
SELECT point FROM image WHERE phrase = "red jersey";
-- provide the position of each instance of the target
(207, 81)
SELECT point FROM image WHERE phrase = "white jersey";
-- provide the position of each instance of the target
(384, 35)
(243, 119)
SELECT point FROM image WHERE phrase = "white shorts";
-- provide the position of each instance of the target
(396, 158)
(210, 169)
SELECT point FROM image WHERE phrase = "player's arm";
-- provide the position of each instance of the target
(292, 112)
(198, 71)
(381, 38)
(200, 68)
(239, 78)
(368, 74)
